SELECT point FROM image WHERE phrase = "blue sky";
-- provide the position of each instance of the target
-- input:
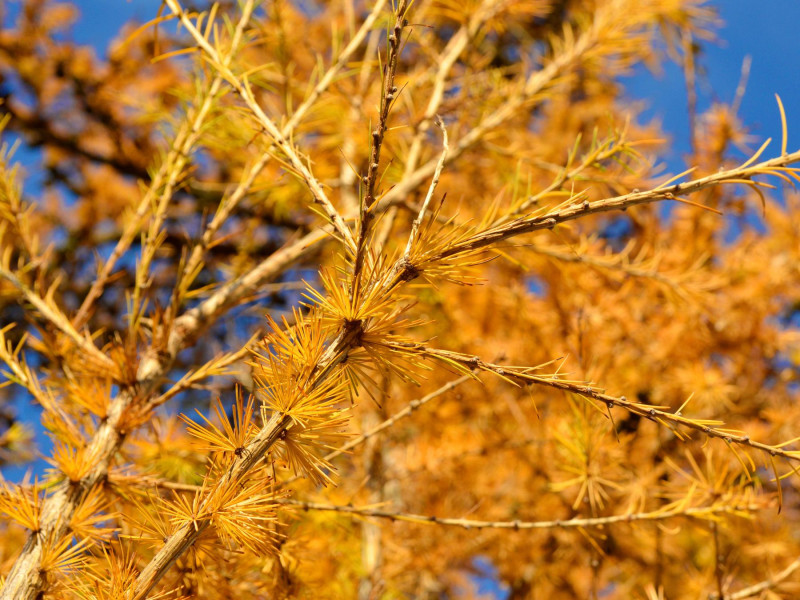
(765, 31)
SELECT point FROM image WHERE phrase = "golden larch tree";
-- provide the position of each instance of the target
(382, 299)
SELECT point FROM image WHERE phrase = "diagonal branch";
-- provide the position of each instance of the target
(576, 207)
(183, 538)
(245, 184)
(528, 376)
(242, 87)
(161, 187)
(51, 312)
(763, 586)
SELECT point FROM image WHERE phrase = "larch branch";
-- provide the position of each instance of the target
(700, 512)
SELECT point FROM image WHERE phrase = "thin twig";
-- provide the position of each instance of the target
(689, 75)
(50, 311)
(434, 182)
(762, 586)
(719, 571)
(388, 94)
(702, 512)
(166, 178)
(161, 187)
(216, 366)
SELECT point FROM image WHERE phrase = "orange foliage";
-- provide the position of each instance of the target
(487, 344)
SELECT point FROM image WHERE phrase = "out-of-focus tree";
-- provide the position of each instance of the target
(477, 334)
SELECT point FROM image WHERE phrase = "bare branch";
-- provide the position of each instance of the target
(701, 512)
